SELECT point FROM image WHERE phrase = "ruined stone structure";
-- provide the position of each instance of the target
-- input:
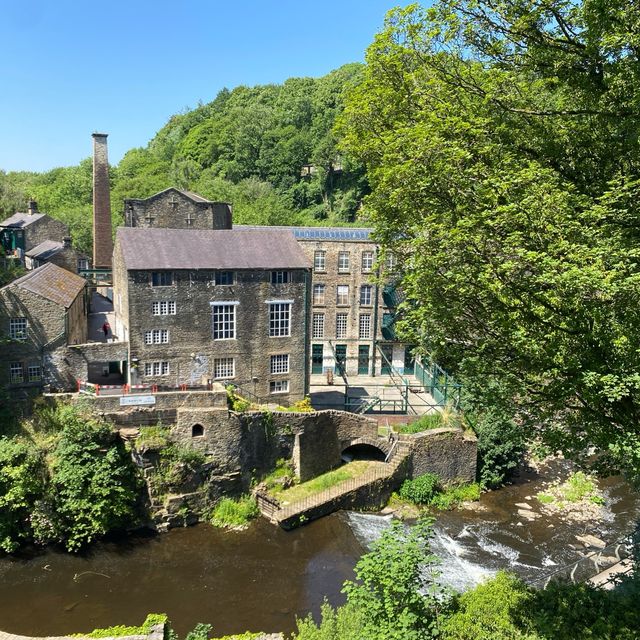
(200, 305)
(41, 314)
(177, 209)
(102, 232)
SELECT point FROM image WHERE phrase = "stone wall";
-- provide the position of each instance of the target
(45, 228)
(448, 452)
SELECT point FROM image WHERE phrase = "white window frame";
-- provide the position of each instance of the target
(320, 261)
(368, 258)
(317, 326)
(16, 373)
(342, 294)
(18, 328)
(342, 325)
(279, 364)
(34, 373)
(278, 386)
(163, 308)
(364, 326)
(344, 261)
(158, 368)
(224, 368)
(156, 336)
(225, 324)
(366, 295)
(319, 293)
(280, 315)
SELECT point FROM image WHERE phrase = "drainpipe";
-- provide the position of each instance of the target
(375, 322)
(307, 344)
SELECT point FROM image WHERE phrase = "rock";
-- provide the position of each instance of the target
(523, 505)
(528, 515)
(591, 541)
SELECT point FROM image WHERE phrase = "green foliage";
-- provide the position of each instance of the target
(235, 401)
(395, 586)
(118, 631)
(501, 143)
(233, 514)
(453, 496)
(22, 481)
(200, 632)
(426, 422)
(301, 406)
(420, 490)
(282, 477)
(153, 438)
(94, 485)
(344, 623)
(578, 487)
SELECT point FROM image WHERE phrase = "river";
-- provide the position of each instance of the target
(263, 577)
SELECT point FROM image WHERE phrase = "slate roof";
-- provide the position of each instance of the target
(53, 283)
(45, 250)
(21, 220)
(346, 234)
(210, 249)
(188, 194)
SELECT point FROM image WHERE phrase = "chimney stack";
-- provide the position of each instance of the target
(67, 242)
(102, 233)
(33, 207)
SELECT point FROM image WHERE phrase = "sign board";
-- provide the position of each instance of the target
(137, 400)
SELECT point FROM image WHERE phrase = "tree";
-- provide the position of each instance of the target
(501, 143)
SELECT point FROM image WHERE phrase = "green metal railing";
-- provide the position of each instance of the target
(442, 387)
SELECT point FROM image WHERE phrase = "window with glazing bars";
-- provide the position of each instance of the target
(156, 368)
(224, 321)
(280, 277)
(367, 261)
(224, 368)
(342, 294)
(365, 294)
(343, 262)
(279, 386)
(318, 293)
(18, 328)
(34, 373)
(365, 326)
(319, 261)
(156, 336)
(223, 277)
(16, 372)
(164, 308)
(318, 325)
(279, 319)
(161, 278)
(280, 363)
(341, 325)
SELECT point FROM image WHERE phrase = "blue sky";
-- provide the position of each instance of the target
(71, 68)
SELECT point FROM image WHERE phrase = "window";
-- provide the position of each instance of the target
(197, 431)
(280, 363)
(83, 263)
(279, 319)
(365, 326)
(18, 328)
(318, 325)
(224, 368)
(34, 373)
(279, 386)
(16, 373)
(164, 308)
(280, 277)
(367, 261)
(391, 262)
(319, 261)
(318, 294)
(343, 262)
(223, 278)
(161, 278)
(365, 294)
(342, 296)
(341, 325)
(224, 321)
(156, 369)
(156, 336)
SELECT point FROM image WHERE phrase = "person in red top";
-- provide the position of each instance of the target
(105, 327)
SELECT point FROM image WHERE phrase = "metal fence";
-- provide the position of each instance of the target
(442, 387)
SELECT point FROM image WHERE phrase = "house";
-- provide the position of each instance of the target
(62, 254)
(41, 313)
(24, 231)
(197, 305)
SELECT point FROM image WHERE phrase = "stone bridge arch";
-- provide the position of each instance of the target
(365, 448)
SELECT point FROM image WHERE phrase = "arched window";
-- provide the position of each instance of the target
(197, 430)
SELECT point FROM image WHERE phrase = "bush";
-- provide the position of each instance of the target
(453, 496)
(118, 631)
(234, 514)
(420, 490)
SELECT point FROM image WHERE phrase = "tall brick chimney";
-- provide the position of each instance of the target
(102, 238)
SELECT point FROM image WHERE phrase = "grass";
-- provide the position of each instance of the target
(323, 482)
(122, 630)
(153, 438)
(456, 495)
(447, 417)
(578, 487)
(234, 514)
(282, 476)
(427, 490)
